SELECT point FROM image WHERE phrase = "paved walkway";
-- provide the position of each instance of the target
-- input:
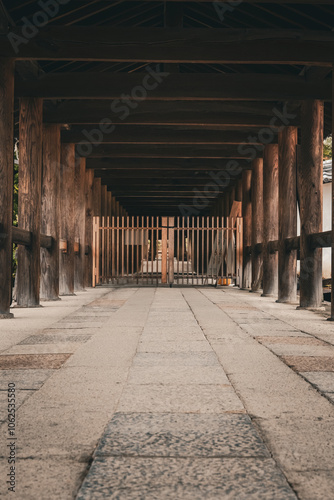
(169, 394)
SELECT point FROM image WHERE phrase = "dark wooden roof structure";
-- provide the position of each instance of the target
(149, 108)
(229, 63)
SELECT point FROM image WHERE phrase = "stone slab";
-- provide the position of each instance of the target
(55, 338)
(63, 348)
(310, 363)
(178, 435)
(179, 375)
(32, 361)
(292, 341)
(20, 397)
(176, 359)
(154, 398)
(324, 381)
(45, 479)
(178, 346)
(24, 379)
(301, 350)
(193, 479)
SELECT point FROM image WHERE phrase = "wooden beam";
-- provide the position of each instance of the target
(287, 259)
(6, 182)
(180, 87)
(67, 222)
(270, 222)
(173, 45)
(29, 210)
(50, 212)
(80, 221)
(257, 222)
(164, 165)
(133, 134)
(89, 181)
(178, 151)
(209, 113)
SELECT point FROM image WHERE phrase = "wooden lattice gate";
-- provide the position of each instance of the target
(167, 250)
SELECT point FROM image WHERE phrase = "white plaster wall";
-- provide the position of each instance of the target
(327, 226)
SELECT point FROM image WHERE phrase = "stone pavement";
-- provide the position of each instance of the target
(144, 393)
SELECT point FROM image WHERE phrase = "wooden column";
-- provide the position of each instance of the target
(310, 183)
(97, 189)
(232, 197)
(238, 190)
(6, 183)
(89, 180)
(227, 207)
(270, 223)
(67, 222)
(50, 211)
(247, 225)
(287, 260)
(332, 295)
(29, 210)
(80, 223)
(257, 222)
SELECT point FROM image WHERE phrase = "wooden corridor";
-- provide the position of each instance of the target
(164, 109)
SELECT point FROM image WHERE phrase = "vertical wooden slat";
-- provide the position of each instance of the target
(171, 231)
(202, 244)
(50, 211)
(287, 260)
(118, 232)
(29, 210)
(270, 220)
(80, 221)
(310, 190)
(127, 219)
(122, 245)
(142, 249)
(137, 247)
(164, 235)
(183, 250)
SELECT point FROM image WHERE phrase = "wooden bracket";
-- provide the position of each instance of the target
(63, 246)
(77, 247)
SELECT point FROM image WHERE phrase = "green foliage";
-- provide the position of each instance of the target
(328, 147)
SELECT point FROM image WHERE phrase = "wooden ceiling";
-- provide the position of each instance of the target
(227, 76)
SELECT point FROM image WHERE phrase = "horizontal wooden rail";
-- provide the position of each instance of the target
(23, 237)
(317, 240)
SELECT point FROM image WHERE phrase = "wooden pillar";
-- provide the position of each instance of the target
(67, 223)
(310, 183)
(29, 210)
(257, 222)
(332, 294)
(6, 182)
(97, 190)
(50, 211)
(227, 207)
(287, 260)
(238, 190)
(80, 223)
(270, 223)
(247, 225)
(232, 196)
(89, 180)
